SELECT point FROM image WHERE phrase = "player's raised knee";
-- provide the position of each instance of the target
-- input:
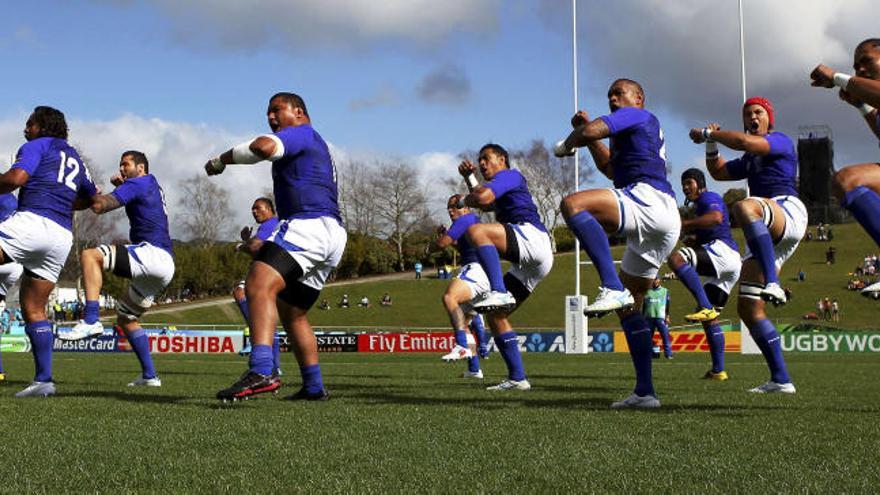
(844, 181)
(747, 211)
(569, 206)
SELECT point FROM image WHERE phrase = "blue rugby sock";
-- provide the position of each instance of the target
(42, 340)
(761, 246)
(691, 280)
(313, 383)
(480, 333)
(245, 312)
(260, 360)
(140, 344)
(864, 204)
(491, 263)
(461, 338)
(508, 346)
(474, 364)
(770, 344)
(638, 338)
(276, 352)
(92, 312)
(595, 242)
(715, 337)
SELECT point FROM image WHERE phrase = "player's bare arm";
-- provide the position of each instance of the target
(705, 221)
(481, 196)
(588, 133)
(714, 161)
(861, 88)
(102, 203)
(12, 180)
(247, 153)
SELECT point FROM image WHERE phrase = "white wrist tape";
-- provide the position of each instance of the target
(865, 109)
(711, 149)
(471, 181)
(217, 165)
(841, 80)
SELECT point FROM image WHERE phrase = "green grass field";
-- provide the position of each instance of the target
(417, 303)
(407, 423)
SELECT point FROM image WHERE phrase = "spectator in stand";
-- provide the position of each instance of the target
(325, 304)
(343, 303)
(365, 302)
(830, 234)
(418, 269)
(820, 308)
(835, 310)
(802, 275)
(826, 309)
(386, 300)
(820, 232)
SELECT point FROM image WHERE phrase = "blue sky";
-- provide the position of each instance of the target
(416, 79)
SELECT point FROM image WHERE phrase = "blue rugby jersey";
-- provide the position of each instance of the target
(638, 151)
(304, 179)
(457, 232)
(144, 203)
(771, 175)
(711, 201)
(57, 177)
(513, 201)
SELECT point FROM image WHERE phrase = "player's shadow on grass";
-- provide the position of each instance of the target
(137, 398)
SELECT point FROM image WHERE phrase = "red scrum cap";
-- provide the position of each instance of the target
(765, 103)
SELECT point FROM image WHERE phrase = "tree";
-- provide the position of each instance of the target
(357, 198)
(401, 203)
(550, 179)
(206, 211)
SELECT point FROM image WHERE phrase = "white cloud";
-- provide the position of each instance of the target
(687, 58)
(304, 23)
(178, 150)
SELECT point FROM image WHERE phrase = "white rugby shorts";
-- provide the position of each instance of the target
(9, 275)
(650, 222)
(795, 228)
(152, 269)
(535, 255)
(40, 245)
(727, 263)
(473, 275)
(316, 244)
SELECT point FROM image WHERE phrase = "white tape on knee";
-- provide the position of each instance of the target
(109, 255)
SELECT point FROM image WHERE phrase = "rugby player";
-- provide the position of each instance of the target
(148, 261)
(858, 186)
(715, 256)
(9, 272)
(53, 181)
(641, 206)
(291, 267)
(520, 237)
(773, 220)
(263, 211)
(470, 283)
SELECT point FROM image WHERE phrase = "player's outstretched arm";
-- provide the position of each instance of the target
(12, 180)
(268, 147)
(862, 89)
(715, 163)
